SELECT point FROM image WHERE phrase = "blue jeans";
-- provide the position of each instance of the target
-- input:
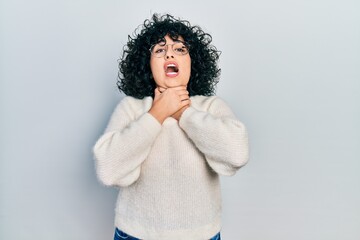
(120, 235)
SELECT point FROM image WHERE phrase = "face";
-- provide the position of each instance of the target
(173, 69)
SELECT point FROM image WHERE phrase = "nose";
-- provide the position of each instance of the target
(169, 52)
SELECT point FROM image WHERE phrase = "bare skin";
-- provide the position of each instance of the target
(169, 102)
(171, 97)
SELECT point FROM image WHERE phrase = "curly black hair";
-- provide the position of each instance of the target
(135, 78)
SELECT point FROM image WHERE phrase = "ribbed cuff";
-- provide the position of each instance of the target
(185, 117)
(150, 124)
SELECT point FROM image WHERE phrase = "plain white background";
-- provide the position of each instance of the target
(290, 71)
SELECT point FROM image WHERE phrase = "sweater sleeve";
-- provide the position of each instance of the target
(126, 143)
(218, 135)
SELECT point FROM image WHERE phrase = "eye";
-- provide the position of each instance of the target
(180, 48)
(158, 49)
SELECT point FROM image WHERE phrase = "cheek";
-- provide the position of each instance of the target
(188, 66)
(155, 68)
(152, 66)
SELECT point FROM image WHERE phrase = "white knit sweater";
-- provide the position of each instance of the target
(168, 174)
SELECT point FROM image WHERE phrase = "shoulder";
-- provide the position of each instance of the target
(206, 103)
(134, 106)
(212, 104)
(132, 101)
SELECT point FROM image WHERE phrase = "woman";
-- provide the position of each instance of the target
(170, 138)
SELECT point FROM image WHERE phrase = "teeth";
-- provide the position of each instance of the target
(171, 67)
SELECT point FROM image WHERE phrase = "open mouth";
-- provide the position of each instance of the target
(171, 69)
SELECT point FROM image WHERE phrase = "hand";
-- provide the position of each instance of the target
(168, 102)
(179, 113)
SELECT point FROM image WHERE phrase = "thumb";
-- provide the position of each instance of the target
(157, 92)
(161, 89)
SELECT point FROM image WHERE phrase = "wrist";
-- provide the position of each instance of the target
(157, 115)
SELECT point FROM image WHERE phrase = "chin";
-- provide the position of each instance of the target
(173, 83)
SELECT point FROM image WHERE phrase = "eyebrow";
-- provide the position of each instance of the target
(163, 42)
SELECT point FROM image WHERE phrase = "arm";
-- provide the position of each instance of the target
(218, 135)
(126, 143)
(169, 102)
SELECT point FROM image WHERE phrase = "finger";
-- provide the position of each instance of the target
(179, 88)
(157, 92)
(161, 89)
(184, 97)
(185, 102)
(182, 92)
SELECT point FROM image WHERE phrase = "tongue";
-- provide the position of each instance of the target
(171, 69)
